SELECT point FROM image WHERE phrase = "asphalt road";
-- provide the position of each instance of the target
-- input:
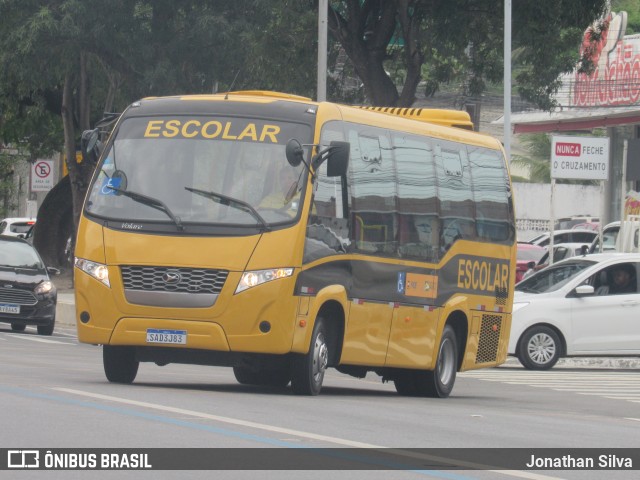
(53, 394)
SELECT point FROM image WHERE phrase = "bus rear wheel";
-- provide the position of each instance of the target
(307, 370)
(437, 383)
(120, 363)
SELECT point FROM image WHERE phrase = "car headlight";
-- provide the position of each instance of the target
(518, 306)
(44, 287)
(258, 277)
(96, 270)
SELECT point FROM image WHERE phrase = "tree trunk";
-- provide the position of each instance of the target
(54, 225)
(365, 35)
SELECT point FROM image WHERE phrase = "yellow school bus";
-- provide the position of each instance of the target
(280, 237)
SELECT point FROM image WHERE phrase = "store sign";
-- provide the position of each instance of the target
(580, 158)
(42, 176)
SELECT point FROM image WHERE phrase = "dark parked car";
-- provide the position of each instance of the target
(27, 295)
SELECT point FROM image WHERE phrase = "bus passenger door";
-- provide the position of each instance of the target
(367, 329)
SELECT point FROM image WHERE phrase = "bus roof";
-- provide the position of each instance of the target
(432, 117)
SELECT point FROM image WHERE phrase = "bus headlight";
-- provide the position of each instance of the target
(96, 270)
(257, 277)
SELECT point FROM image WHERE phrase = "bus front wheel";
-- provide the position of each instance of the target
(307, 372)
(120, 363)
(279, 377)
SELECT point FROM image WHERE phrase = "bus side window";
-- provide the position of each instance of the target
(418, 222)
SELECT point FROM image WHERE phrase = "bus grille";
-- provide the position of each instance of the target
(17, 297)
(171, 279)
(490, 329)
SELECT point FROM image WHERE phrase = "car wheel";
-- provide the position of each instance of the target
(120, 363)
(308, 369)
(539, 348)
(47, 329)
(18, 327)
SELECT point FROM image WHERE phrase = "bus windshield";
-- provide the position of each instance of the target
(199, 170)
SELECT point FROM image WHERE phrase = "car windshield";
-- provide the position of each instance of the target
(199, 170)
(19, 255)
(554, 277)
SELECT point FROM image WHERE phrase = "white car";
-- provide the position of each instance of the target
(565, 236)
(576, 308)
(16, 226)
(563, 251)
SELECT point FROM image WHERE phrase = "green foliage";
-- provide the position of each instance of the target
(538, 160)
(460, 42)
(632, 7)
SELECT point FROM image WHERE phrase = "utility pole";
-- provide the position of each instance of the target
(507, 79)
(321, 94)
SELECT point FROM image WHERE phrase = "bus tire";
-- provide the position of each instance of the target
(405, 383)
(245, 376)
(271, 378)
(438, 383)
(539, 348)
(307, 370)
(120, 363)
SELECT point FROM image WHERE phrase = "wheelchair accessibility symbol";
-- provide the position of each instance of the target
(402, 282)
(108, 183)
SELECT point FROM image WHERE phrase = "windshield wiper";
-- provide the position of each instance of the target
(231, 202)
(152, 202)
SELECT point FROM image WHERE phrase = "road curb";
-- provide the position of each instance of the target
(66, 310)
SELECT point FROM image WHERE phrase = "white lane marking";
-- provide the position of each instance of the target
(218, 418)
(297, 433)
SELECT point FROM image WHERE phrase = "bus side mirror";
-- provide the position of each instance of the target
(90, 145)
(338, 160)
(294, 152)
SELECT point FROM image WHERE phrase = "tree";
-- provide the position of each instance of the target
(93, 56)
(538, 160)
(459, 39)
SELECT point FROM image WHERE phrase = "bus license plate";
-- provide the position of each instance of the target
(167, 336)
(9, 308)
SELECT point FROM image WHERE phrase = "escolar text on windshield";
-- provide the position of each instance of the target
(227, 130)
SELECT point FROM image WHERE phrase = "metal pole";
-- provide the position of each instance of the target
(552, 221)
(507, 79)
(623, 182)
(323, 6)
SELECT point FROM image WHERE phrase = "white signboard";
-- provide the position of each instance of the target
(580, 158)
(42, 175)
